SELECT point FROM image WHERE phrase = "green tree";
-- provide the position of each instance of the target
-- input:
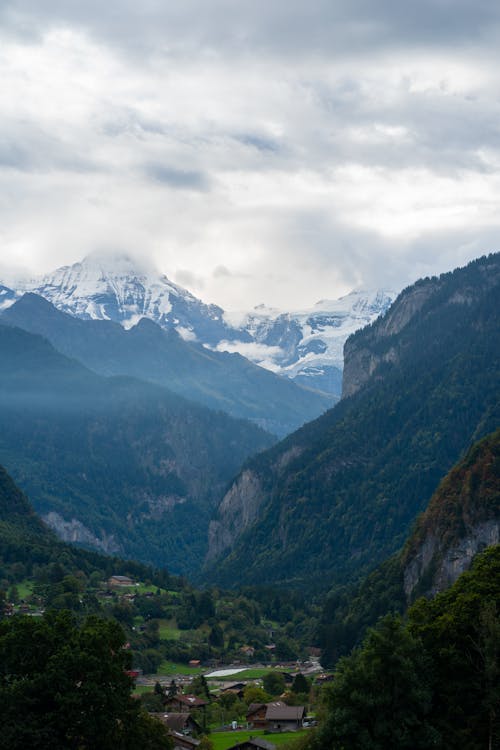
(300, 684)
(273, 683)
(65, 686)
(381, 696)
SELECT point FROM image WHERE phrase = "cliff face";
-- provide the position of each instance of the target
(384, 341)
(463, 518)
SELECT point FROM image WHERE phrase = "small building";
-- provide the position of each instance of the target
(254, 743)
(120, 581)
(256, 715)
(275, 717)
(183, 742)
(194, 663)
(184, 703)
(283, 718)
(182, 723)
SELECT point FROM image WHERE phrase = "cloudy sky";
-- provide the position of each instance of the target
(276, 151)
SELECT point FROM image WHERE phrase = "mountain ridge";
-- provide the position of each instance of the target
(304, 346)
(340, 494)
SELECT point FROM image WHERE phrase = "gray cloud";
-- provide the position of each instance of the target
(277, 152)
(178, 178)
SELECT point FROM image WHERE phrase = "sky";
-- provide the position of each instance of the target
(277, 151)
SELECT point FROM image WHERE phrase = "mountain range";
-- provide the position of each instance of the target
(305, 346)
(218, 380)
(421, 384)
(115, 463)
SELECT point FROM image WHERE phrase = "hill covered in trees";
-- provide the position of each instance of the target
(115, 463)
(462, 518)
(340, 494)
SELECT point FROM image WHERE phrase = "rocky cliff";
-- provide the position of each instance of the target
(383, 341)
(463, 518)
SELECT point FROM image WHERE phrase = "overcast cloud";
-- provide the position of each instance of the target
(277, 152)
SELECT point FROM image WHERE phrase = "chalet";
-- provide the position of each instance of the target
(283, 718)
(183, 703)
(120, 581)
(275, 717)
(194, 663)
(248, 651)
(254, 743)
(236, 688)
(183, 742)
(182, 723)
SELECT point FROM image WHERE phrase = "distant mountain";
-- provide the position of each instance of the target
(307, 346)
(218, 380)
(114, 463)
(339, 495)
(462, 519)
(304, 346)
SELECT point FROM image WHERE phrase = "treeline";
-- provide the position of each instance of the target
(430, 681)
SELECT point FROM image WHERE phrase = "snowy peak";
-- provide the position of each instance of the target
(124, 289)
(305, 345)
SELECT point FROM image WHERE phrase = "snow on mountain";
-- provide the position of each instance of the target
(123, 289)
(306, 345)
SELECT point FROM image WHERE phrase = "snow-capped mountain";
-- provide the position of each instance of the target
(306, 346)
(123, 289)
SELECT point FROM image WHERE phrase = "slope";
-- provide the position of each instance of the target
(338, 496)
(462, 518)
(114, 463)
(217, 380)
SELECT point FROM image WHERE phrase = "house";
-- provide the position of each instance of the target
(183, 703)
(275, 717)
(182, 742)
(236, 688)
(254, 743)
(182, 723)
(248, 651)
(120, 581)
(194, 663)
(256, 715)
(283, 718)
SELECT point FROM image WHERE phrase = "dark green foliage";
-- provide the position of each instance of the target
(341, 494)
(468, 496)
(274, 683)
(300, 684)
(432, 682)
(460, 629)
(65, 686)
(381, 696)
(138, 466)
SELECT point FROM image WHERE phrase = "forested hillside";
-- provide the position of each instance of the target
(114, 463)
(463, 517)
(340, 495)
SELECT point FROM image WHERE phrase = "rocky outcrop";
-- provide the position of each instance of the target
(439, 568)
(75, 531)
(238, 510)
(381, 342)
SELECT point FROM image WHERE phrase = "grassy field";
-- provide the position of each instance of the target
(24, 589)
(224, 740)
(168, 631)
(169, 667)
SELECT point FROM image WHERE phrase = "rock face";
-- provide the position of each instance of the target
(238, 510)
(462, 519)
(75, 531)
(383, 341)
